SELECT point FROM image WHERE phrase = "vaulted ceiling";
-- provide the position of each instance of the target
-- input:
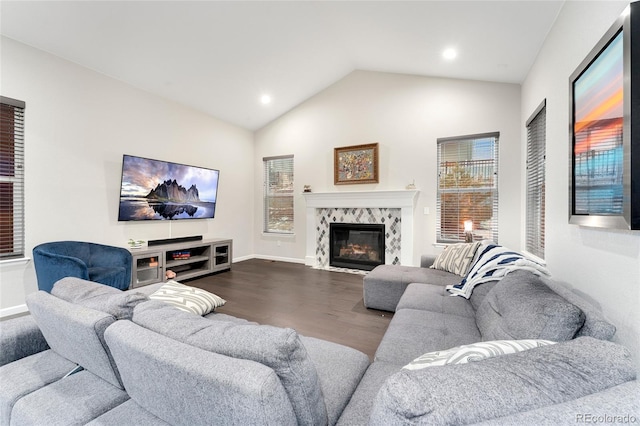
(220, 57)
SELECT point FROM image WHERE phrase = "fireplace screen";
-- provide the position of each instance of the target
(355, 245)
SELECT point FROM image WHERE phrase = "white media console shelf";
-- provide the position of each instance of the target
(188, 260)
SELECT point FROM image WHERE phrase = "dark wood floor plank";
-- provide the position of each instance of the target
(316, 303)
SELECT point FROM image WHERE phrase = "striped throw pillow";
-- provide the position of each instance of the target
(456, 258)
(474, 352)
(189, 299)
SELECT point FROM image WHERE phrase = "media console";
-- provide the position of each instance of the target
(187, 259)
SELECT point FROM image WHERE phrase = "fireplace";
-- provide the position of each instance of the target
(356, 245)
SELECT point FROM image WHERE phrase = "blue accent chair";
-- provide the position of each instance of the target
(90, 261)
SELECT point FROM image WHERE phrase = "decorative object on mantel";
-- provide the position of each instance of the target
(134, 244)
(412, 185)
(306, 188)
(355, 164)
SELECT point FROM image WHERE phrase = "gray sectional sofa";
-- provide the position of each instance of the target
(90, 354)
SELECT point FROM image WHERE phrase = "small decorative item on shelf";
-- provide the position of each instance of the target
(306, 188)
(182, 254)
(170, 274)
(412, 185)
(135, 243)
(153, 261)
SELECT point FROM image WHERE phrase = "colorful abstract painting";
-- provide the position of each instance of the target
(356, 164)
(598, 129)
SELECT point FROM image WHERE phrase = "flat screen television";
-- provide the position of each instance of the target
(162, 190)
(605, 130)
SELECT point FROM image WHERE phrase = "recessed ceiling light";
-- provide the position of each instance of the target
(449, 53)
(265, 99)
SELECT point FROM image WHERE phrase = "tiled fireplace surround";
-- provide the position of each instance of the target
(394, 209)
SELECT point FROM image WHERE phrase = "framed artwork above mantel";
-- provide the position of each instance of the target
(355, 164)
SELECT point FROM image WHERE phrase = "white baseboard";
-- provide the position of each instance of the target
(243, 258)
(279, 259)
(14, 310)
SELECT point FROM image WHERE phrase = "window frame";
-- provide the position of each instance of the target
(286, 165)
(535, 180)
(446, 233)
(12, 238)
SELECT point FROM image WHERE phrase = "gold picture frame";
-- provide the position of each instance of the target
(355, 164)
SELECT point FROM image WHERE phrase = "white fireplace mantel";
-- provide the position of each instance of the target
(402, 199)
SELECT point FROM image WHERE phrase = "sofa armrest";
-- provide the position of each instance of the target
(102, 255)
(51, 267)
(427, 260)
(19, 338)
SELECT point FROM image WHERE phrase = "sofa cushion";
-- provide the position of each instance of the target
(188, 299)
(456, 258)
(617, 405)
(127, 413)
(96, 296)
(20, 337)
(474, 352)
(27, 375)
(595, 325)
(414, 332)
(275, 347)
(185, 385)
(385, 284)
(361, 402)
(521, 306)
(504, 385)
(479, 293)
(75, 332)
(74, 400)
(434, 298)
(339, 368)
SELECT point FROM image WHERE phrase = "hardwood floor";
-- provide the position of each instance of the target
(323, 304)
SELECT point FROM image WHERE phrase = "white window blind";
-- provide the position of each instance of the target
(467, 187)
(536, 142)
(11, 178)
(278, 194)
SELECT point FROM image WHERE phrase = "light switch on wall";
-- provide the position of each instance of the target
(426, 210)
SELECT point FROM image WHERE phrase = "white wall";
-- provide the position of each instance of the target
(405, 115)
(603, 264)
(78, 125)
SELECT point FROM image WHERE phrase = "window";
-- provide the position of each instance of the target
(278, 194)
(467, 187)
(11, 178)
(536, 141)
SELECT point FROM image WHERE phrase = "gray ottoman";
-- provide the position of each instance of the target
(384, 285)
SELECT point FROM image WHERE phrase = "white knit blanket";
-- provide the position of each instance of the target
(494, 263)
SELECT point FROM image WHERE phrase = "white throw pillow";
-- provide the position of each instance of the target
(456, 258)
(189, 299)
(474, 352)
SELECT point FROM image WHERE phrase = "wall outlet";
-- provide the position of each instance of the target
(279, 243)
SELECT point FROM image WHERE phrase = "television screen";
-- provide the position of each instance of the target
(161, 190)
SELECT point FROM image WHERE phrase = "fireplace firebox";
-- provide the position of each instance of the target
(356, 245)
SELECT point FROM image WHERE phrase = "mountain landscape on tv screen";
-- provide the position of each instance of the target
(171, 190)
(156, 190)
